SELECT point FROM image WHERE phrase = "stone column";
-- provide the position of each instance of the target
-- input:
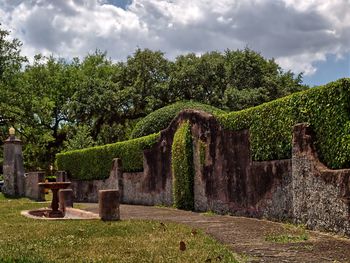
(13, 167)
(65, 197)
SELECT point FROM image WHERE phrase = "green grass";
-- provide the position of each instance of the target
(27, 240)
(292, 234)
(209, 213)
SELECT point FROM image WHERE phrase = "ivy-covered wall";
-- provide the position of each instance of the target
(95, 162)
(182, 167)
(326, 109)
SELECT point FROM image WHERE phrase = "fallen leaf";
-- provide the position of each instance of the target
(182, 246)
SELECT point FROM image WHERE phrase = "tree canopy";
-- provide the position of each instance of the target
(55, 103)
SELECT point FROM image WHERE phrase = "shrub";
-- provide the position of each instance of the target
(161, 118)
(95, 162)
(326, 109)
(182, 167)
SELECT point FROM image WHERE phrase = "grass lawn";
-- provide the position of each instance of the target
(27, 240)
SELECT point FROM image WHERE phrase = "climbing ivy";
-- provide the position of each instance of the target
(182, 167)
(326, 109)
(95, 162)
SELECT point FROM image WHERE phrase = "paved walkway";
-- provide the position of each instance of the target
(247, 236)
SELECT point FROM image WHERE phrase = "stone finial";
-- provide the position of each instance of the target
(12, 131)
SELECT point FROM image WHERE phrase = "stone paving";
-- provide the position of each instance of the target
(247, 236)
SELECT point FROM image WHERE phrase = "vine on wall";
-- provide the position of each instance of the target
(182, 167)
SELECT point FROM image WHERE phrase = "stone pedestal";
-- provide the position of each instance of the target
(13, 168)
(65, 199)
(109, 205)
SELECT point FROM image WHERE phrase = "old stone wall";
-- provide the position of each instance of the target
(226, 179)
(87, 190)
(134, 188)
(32, 189)
(321, 196)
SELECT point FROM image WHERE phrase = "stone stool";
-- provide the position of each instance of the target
(108, 201)
(65, 198)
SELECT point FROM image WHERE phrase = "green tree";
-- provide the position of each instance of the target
(43, 90)
(252, 80)
(11, 62)
(81, 138)
(199, 78)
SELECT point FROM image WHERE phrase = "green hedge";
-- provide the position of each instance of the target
(95, 162)
(326, 109)
(182, 167)
(161, 118)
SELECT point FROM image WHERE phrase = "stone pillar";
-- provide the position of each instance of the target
(116, 175)
(13, 167)
(65, 199)
(109, 205)
(32, 189)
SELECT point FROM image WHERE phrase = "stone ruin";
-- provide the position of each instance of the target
(300, 189)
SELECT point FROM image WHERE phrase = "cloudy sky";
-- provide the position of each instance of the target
(310, 36)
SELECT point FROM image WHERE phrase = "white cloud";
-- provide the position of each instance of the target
(297, 33)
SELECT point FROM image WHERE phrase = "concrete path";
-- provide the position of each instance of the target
(249, 237)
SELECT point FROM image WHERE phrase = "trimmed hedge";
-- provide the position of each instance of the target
(95, 162)
(326, 109)
(161, 118)
(182, 168)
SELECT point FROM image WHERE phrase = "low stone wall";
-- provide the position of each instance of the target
(321, 196)
(135, 188)
(135, 191)
(87, 191)
(32, 189)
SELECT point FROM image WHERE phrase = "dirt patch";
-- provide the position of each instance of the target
(254, 239)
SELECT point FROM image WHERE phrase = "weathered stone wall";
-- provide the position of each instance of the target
(228, 181)
(32, 189)
(134, 188)
(87, 191)
(320, 196)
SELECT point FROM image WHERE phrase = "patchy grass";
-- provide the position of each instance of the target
(209, 213)
(292, 234)
(26, 240)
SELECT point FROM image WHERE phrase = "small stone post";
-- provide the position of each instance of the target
(13, 167)
(65, 199)
(61, 176)
(109, 205)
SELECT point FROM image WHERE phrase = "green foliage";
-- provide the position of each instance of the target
(182, 167)
(48, 98)
(95, 162)
(325, 108)
(161, 118)
(80, 140)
